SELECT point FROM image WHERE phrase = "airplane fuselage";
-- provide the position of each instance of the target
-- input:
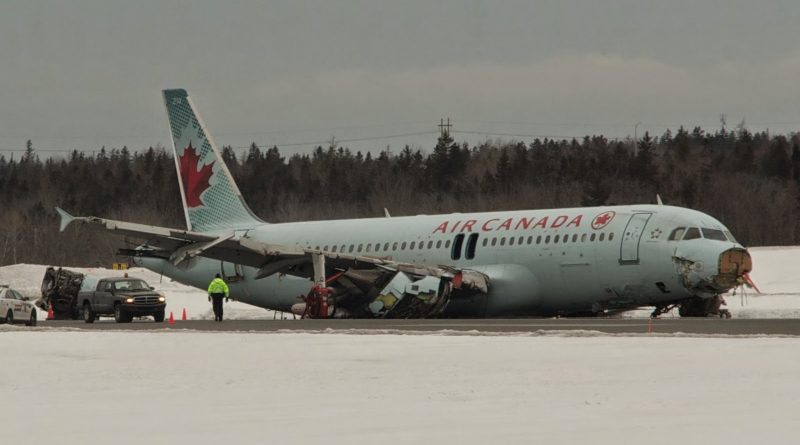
(541, 262)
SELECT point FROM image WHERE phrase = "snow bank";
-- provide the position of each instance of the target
(774, 272)
(210, 388)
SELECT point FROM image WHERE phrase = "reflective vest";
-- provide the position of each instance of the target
(218, 286)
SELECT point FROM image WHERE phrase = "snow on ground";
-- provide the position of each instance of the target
(27, 278)
(774, 272)
(74, 387)
(195, 388)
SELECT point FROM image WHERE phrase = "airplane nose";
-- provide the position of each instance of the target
(734, 264)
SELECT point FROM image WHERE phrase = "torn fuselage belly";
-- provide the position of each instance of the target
(377, 293)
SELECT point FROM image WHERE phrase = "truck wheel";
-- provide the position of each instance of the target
(32, 321)
(119, 317)
(158, 317)
(10, 317)
(88, 314)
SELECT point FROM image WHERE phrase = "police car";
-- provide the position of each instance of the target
(14, 308)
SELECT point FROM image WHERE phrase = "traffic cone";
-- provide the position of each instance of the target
(183, 316)
(171, 318)
(50, 315)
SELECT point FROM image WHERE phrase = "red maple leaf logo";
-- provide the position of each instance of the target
(602, 220)
(194, 182)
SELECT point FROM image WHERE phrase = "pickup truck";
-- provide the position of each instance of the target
(121, 297)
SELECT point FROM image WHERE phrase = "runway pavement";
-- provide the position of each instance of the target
(704, 326)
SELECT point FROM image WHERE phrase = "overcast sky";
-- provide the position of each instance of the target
(82, 74)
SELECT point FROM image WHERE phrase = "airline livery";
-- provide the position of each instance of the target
(576, 261)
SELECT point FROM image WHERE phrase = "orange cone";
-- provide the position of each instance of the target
(50, 315)
(183, 317)
(171, 318)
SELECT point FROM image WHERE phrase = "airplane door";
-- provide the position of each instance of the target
(629, 247)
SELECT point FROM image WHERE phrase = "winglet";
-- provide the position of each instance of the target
(66, 218)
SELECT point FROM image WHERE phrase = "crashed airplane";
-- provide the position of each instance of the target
(577, 261)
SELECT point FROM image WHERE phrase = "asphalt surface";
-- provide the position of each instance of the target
(703, 326)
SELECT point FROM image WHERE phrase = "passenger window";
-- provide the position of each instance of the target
(714, 234)
(556, 239)
(519, 241)
(360, 246)
(591, 238)
(602, 236)
(692, 233)
(611, 236)
(539, 239)
(352, 247)
(530, 239)
(494, 241)
(547, 239)
(447, 244)
(472, 242)
(503, 241)
(316, 247)
(411, 246)
(403, 245)
(485, 242)
(455, 254)
(325, 248)
(430, 244)
(369, 246)
(385, 247)
(511, 241)
(334, 249)
(566, 238)
(377, 247)
(583, 238)
(439, 244)
(394, 246)
(677, 234)
(575, 238)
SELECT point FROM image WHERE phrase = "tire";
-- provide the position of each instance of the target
(10, 317)
(88, 314)
(159, 317)
(32, 321)
(119, 314)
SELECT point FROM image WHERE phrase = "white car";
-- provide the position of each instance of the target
(14, 308)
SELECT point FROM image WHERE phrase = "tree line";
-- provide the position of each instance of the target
(750, 181)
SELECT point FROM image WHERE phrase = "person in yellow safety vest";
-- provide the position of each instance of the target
(217, 290)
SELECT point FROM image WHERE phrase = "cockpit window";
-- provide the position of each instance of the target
(677, 234)
(730, 237)
(692, 233)
(714, 234)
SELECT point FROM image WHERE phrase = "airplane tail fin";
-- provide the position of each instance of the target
(211, 198)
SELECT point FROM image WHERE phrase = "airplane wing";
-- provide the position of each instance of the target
(357, 280)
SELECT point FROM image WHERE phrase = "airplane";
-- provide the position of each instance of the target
(557, 262)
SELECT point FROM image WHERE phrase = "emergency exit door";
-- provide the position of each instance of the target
(629, 247)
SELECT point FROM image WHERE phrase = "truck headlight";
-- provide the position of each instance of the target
(162, 299)
(129, 300)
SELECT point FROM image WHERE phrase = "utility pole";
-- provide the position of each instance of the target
(444, 128)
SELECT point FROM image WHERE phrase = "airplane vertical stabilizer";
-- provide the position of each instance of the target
(211, 199)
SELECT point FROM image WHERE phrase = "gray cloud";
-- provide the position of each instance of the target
(88, 73)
